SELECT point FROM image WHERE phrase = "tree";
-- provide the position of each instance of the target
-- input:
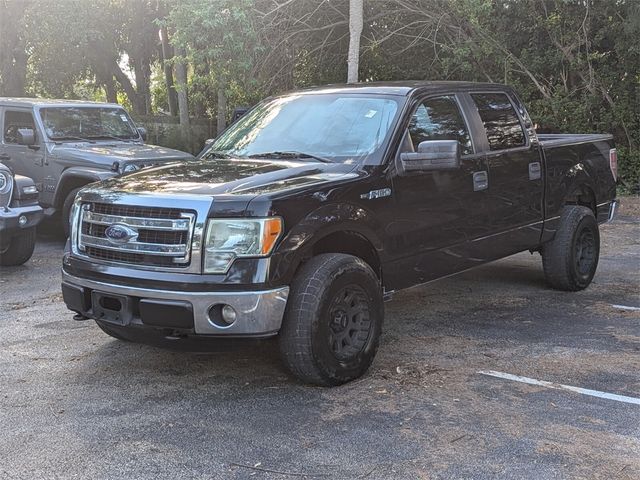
(13, 51)
(356, 23)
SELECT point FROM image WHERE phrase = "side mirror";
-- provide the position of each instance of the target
(26, 136)
(143, 133)
(432, 155)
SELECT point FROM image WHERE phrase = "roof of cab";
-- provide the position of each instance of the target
(402, 88)
(48, 102)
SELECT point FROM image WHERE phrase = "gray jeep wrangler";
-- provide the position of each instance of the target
(64, 145)
(19, 215)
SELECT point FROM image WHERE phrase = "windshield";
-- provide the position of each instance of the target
(78, 123)
(338, 127)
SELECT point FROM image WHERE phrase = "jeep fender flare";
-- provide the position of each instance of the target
(75, 177)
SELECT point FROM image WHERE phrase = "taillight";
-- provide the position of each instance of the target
(613, 163)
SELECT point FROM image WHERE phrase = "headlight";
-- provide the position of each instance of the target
(6, 186)
(5, 182)
(228, 239)
(130, 167)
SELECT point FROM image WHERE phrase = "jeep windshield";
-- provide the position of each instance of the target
(87, 123)
(313, 127)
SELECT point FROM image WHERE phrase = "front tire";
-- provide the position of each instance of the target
(20, 248)
(333, 320)
(66, 211)
(570, 260)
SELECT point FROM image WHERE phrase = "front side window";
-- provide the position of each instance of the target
(500, 121)
(14, 121)
(439, 118)
(338, 127)
(90, 123)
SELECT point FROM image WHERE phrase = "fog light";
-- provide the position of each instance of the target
(229, 314)
(22, 220)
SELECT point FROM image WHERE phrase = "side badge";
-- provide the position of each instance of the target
(383, 192)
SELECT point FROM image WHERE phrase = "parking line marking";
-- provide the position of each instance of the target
(624, 307)
(559, 386)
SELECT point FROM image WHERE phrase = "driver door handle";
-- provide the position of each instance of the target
(4, 156)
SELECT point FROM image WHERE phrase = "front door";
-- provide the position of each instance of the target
(438, 213)
(22, 159)
(516, 177)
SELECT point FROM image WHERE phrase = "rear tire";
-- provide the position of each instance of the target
(66, 210)
(333, 320)
(20, 248)
(570, 260)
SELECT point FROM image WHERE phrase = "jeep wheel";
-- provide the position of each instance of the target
(571, 258)
(333, 320)
(66, 211)
(20, 248)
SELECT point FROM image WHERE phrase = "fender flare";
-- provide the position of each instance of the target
(326, 220)
(79, 176)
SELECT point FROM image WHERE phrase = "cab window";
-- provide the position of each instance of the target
(439, 118)
(500, 121)
(13, 121)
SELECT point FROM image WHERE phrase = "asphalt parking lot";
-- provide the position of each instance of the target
(75, 403)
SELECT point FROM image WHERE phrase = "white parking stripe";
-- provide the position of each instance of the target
(559, 386)
(624, 307)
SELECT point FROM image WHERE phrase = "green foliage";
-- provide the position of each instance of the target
(576, 63)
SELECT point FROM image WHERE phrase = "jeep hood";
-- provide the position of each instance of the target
(106, 154)
(230, 177)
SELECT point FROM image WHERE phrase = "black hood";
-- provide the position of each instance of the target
(230, 177)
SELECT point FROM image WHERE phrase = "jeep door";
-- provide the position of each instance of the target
(438, 213)
(24, 160)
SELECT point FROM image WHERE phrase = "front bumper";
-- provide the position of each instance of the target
(259, 313)
(10, 217)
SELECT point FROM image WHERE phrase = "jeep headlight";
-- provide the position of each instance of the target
(228, 239)
(6, 186)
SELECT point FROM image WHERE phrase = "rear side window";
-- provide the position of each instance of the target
(439, 118)
(500, 120)
(13, 121)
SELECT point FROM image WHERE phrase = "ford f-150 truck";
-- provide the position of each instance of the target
(64, 145)
(312, 209)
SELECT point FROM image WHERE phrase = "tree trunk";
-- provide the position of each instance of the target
(221, 119)
(183, 103)
(167, 55)
(356, 22)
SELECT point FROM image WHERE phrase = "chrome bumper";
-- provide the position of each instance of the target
(259, 313)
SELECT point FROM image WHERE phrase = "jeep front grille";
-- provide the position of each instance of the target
(162, 236)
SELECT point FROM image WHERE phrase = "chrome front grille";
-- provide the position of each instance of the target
(153, 236)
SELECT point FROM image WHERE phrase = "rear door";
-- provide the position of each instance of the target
(515, 193)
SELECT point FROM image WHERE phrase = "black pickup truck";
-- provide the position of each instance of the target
(312, 209)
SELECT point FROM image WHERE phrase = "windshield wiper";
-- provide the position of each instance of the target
(72, 137)
(216, 154)
(112, 137)
(290, 154)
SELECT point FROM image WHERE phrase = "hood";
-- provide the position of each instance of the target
(230, 177)
(107, 153)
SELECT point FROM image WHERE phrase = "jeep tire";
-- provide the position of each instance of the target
(20, 248)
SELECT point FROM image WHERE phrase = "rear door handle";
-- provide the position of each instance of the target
(535, 171)
(4, 156)
(480, 181)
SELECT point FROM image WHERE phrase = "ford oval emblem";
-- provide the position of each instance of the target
(119, 234)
